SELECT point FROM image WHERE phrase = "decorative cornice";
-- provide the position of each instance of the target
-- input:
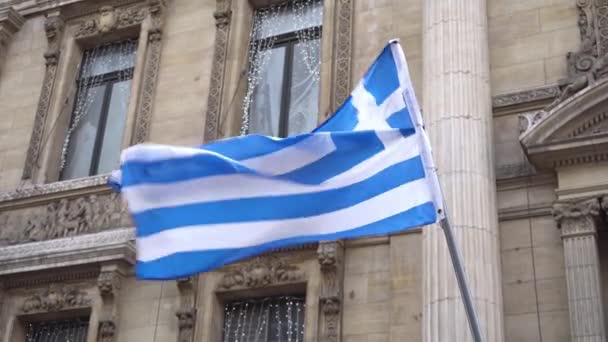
(577, 218)
(56, 298)
(55, 189)
(515, 170)
(10, 22)
(63, 275)
(525, 96)
(109, 19)
(104, 247)
(261, 271)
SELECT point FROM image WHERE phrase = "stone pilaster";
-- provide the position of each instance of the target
(578, 224)
(331, 261)
(186, 314)
(10, 22)
(457, 112)
(109, 283)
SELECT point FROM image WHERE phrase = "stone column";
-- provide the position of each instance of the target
(578, 223)
(458, 116)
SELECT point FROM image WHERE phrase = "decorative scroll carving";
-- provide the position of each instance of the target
(222, 17)
(63, 218)
(528, 120)
(56, 298)
(343, 52)
(110, 19)
(261, 272)
(53, 27)
(330, 256)
(525, 96)
(185, 318)
(107, 331)
(156, 9)
(579, 218)
(590, 63)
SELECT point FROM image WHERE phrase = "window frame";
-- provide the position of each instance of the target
(288, 40)
(107, 80)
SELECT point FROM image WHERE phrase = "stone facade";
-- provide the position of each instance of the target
(520, 136)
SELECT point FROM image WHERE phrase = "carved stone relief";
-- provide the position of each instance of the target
(525, 96)
(63, 218)
(222, 17)
(55, 298)
(330, 256)
(577, 218)
(53, 27)
(107, 331)
(110, 19)
(590, 63)
(108, 283)
(261, 272)
(186, 314)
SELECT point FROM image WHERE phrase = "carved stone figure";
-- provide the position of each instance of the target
(107, 331)
(260, 272)
(55, 298)
(107, 19)
(63, 218)
(185, 317)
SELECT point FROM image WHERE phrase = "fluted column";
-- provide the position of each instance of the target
(578, 223)
(457, 114)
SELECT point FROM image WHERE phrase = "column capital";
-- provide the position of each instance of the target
(577, 218)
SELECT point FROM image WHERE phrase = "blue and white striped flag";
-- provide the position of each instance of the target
(366, 171)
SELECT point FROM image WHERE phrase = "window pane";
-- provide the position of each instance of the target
(290, 17)
(265, 109)
(304, 89)
(82, 140)
(265, 319)
(109, 57)
(115, 126)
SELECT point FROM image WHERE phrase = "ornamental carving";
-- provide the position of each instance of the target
(525, 96)
(108, 283)
(107, 331)
(330, 255)
(578, 218)
(261, 272)
(109, 19)
(56, 298)
(10, 22)
(222, 16)
(590, 63)
(63, 218)
(343, 52)
(185, 319)
(53, 28)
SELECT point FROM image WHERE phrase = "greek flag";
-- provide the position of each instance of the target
(366, 171)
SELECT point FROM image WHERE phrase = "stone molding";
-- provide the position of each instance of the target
(577, 218)
(55, 298)
(64, 217)
(262, 271)
(42, 191)
(222, 15)
(528, 96)
(343, 52)
(10, 22)
(54, 28)
(331, 262)
(104, 247)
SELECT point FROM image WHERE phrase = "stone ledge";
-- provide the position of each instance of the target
(79, 250)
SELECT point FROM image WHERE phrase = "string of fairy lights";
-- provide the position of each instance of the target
(302, 17)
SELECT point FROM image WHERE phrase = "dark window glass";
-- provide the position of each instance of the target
(94, 139)
(284, 69)
(70, 330)
(266, 319)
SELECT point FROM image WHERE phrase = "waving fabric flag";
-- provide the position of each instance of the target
(366, 171)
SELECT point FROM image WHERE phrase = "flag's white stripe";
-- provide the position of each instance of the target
(293, 157)
(238, 235)
(225, 187)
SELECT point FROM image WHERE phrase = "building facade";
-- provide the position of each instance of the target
(514, 95)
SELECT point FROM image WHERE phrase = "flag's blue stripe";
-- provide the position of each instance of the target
(187, 263)
(355, 147)
(382, 78)
(278, 207)
(349, 152)
(345, 119)
(257, 145)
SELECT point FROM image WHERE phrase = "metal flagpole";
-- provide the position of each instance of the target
(461, 278)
